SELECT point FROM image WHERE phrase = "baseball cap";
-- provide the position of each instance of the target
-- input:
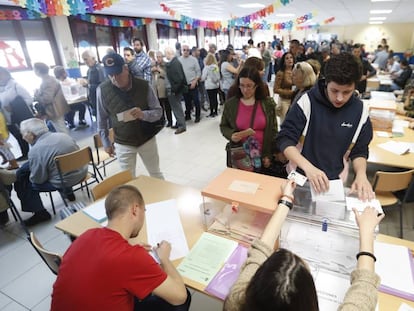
(113, 64)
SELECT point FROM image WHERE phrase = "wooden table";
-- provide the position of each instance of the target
(377, 155)
(188, 203)
(389, 302)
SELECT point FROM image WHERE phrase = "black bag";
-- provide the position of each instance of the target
(19, 110)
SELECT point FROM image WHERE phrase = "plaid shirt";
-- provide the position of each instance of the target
(141, 66)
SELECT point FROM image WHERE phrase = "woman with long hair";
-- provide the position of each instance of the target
(227, 70)
(283, 84)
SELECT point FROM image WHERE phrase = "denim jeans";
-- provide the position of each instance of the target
(154, 303)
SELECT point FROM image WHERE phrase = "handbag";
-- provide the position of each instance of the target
(237, 155)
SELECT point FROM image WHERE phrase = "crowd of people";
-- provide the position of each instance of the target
(138, 93)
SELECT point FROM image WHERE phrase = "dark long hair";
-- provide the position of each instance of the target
(283, 61)
(253, 74)
(283, 282)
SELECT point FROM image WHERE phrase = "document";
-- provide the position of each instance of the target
(353, 202)
(163, 223)
(96, 211)
(405, 307)
(126, 115)
(396, 270)
(335, 193)
(206, 258)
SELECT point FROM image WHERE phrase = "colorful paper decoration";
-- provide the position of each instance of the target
(317, 25)
(64, 7)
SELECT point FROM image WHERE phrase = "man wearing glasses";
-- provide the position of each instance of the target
(192, 73)
(130, 105)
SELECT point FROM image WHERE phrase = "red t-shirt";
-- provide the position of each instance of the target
(244, 115)
(102, 271)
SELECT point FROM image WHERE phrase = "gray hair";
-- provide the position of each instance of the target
(35, 126)
(88, 53)
(169, 52)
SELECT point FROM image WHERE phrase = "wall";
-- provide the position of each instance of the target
(399, 36)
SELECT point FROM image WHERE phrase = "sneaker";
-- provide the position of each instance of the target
(180, 130)
(174, 127)
(38, 217)
(71, 126)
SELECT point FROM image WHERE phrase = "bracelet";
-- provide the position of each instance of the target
(366, 254)
(289, 197)
(285, 202)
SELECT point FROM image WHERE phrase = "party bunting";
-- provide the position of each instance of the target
(317, 25)
(64, 7)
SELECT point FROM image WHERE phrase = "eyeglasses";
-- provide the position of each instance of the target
(247, 86)
(185, 50)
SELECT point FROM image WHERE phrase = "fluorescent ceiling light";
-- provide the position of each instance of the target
(251, 5)
(380, 11)
(285, 15)
(384, 0)
(376, 23)
(377, 18)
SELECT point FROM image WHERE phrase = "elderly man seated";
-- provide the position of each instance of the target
(40, 172)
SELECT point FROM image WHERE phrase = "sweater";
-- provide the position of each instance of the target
(361, 296)
(330, 131)
(228, 122)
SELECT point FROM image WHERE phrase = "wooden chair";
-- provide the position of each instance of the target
(52, 260)
(105, 186)
(388, 187)
(100, 157)
(73, 161)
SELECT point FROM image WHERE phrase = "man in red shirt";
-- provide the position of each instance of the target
(102, 271)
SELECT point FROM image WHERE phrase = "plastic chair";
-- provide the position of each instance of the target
(52, 260)
(104, 187)
(100, 157)
(392, 190)
(73, 161)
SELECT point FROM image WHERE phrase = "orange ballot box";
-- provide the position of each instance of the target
(251, 190)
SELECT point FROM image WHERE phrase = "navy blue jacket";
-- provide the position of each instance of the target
(330, 130)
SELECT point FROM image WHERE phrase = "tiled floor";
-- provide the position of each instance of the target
(191, 159)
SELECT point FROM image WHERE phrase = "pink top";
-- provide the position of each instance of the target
(244, 115)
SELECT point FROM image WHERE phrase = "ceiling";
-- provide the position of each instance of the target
(346, 12)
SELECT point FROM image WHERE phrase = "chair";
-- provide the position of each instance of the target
(72, 161)
(100, 157)
(105, 186)
(392, 190)
(52, 260)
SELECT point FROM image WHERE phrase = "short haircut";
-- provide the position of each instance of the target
(6, 73)
(309, 76)
(356, 46)
(282, 282)
(212, 46)
(253, 74)
(139, 40)
(41, 68)
(127, 48)
(35, 126)
(316, 65)
(59, 71)
(88, 53)
(295, 41)
(404, 62)
(120, 198)
(343, 69)
(254, 62)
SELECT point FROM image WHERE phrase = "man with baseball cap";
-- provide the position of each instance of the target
(130, 105)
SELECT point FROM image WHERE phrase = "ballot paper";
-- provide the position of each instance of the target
(335, 193)
(163, 223)
(126, 115)
(96, 211)
(397, 147)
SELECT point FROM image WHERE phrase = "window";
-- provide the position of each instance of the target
(167, 36)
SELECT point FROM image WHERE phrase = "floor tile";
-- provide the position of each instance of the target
(4, 300)
(14, 306)
(44, 305)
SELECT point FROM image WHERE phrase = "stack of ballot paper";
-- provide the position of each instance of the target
(241, 224)
(96, 211)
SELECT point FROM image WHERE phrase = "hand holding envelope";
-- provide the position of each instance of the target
(130, 115)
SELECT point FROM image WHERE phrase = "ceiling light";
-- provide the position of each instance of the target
(377, 18)
(376, 23)
(380, 11)
(384, 0)
(285, 15)
(251, 5)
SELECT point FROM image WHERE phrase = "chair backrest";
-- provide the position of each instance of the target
(105, 186)
(51, 259)
(392, 181)
(74, 160)
(97, 138)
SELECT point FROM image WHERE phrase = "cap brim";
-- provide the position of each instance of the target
(114, 70)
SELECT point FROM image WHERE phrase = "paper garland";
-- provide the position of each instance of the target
(317, 25)
(64, 7)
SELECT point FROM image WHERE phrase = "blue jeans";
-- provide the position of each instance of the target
(154, 303)
(29, 198)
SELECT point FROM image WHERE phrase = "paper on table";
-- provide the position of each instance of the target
(96, 211)
(383, 134)
(163, 223)
(206, 258)
(244, 186)
(352, 202)
(396, 271)
(335, 192)
(397, 147)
